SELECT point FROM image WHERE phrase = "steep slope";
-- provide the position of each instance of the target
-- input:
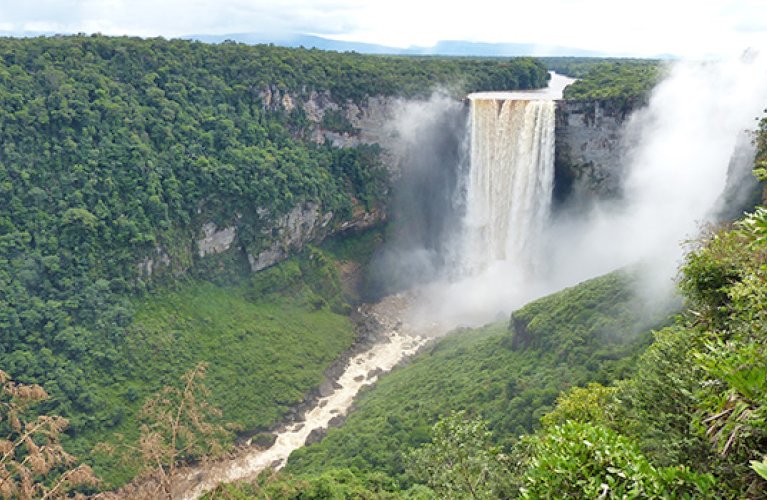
(508, 374)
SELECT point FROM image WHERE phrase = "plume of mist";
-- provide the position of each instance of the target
(429, 145)
(680, 148)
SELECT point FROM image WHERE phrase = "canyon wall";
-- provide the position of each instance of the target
(280, 235)
(588, 150)
(587, 167)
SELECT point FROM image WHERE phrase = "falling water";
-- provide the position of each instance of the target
(510, 181)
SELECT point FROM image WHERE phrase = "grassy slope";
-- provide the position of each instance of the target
(597, 324)
(267, 340)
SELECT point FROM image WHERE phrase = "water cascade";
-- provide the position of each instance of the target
(510, 181)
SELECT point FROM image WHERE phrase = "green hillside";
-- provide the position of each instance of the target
(509, 375)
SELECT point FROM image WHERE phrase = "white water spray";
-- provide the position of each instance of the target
(683, 142)
(682, 145)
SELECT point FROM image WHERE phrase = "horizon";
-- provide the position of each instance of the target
(658, 29)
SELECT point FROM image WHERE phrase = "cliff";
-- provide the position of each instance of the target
(277, 236)
(588, 153)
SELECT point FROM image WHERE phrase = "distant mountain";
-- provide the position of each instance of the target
(308, 41)
(463, 48)
(445, 47)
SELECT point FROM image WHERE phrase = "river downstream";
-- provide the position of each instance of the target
(394, 343)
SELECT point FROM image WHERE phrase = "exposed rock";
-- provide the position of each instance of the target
(326, 388)
(363, 220)
(315, 436)
(284, 235)
(589, 148)
(372, 120)
(336, 421)
(158, 260)
(289, 233)
(287, 102)
(215, 241)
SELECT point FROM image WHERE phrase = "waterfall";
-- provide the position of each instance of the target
(509, 186)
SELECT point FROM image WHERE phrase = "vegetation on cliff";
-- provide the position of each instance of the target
(627, 82)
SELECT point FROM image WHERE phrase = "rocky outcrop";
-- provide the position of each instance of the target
(589, 149)
(371, 120)
(157, 260)
(281, 236)
(289, 233)
(215, 240)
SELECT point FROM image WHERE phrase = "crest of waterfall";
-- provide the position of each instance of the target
(510, 181)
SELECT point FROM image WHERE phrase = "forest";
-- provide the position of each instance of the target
(115, 147)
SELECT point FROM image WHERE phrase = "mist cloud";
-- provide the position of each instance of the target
(682, 146)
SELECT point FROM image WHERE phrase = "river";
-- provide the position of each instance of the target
(395, 342)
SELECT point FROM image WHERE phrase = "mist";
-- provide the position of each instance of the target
(430, 146)
(680, 149)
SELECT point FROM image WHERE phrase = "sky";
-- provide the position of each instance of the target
(685, 28)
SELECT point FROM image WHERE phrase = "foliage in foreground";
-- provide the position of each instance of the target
(33, 463)
(460, 460)
(338, 484)
(578, 459)
(691, 420)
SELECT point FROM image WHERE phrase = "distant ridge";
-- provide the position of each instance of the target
(441, 48)
(444, 47)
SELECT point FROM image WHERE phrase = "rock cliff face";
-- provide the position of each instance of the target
(215, 240)
(587, 167)
(589, 148)
(282, 235)
(370, 121)
(289, 233)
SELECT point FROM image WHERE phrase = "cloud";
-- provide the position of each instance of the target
(176, 18)
(684, 27)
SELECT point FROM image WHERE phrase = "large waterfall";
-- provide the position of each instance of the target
(509, 188)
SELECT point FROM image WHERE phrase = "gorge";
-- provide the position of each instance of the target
(171, 205)
(507, 227)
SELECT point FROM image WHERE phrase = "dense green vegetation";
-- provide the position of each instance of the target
(625, 81)
(498, 374)
(697, 400)
(267, 340)
(115, 149)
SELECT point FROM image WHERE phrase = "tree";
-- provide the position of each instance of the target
(33, 463)
(460, 461)
(583, 460)
(177, 427)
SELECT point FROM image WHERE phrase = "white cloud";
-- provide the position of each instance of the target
(684, 27)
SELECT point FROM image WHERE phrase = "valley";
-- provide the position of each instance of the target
(264, 272)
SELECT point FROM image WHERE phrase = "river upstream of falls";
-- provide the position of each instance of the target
(395, 342)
